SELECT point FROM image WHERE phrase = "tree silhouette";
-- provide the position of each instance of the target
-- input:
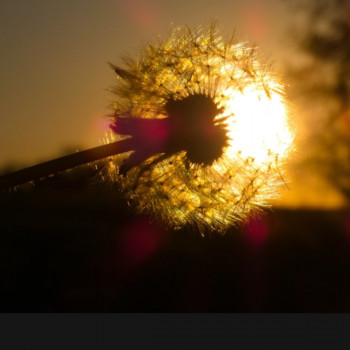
(320, 86)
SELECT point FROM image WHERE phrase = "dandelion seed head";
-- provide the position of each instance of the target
(222, 159)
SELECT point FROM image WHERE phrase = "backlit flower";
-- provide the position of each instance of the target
(208, 130)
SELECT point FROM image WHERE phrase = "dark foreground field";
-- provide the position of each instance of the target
(75, 246)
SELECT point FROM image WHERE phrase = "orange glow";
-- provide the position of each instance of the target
(247, 174)
(258, 124)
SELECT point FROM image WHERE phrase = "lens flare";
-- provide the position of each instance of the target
(225, 132)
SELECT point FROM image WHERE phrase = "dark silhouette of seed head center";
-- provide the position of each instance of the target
(193, 129)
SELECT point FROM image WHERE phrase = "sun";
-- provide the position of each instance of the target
(209, 130)
(258, 125)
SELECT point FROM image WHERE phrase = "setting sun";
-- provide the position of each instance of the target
(224, 130)
(258, 126)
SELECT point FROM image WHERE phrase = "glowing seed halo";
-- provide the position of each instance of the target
(252, 111)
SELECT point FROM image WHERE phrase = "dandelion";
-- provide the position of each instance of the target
(208, 130)
(200, 129)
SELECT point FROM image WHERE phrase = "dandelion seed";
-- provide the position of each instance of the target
(209, 130)
(200, 133)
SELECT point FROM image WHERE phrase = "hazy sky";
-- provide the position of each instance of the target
(54, 54)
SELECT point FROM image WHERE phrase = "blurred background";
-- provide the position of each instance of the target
(71, 243)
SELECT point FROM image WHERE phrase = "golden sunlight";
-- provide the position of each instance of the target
(258, 125)
(209, 127)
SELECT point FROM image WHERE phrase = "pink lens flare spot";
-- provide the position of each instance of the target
(151, 131)
(156, 131)
(255, 20)
(256, 231)
(101, 124)
(141, 12)
(138, 242)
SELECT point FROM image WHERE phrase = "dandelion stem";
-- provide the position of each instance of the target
(63, 163)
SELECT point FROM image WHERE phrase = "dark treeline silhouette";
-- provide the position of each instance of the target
(72, 244)
(320, 86)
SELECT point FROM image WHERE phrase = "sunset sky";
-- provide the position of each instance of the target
(54, 72)
(54, 65)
